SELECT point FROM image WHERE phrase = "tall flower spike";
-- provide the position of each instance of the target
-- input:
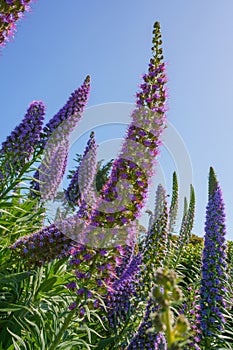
(21, 143)
(155, 246)
(72, 112)
(186, 227)
(213, 266)
(84, 175)
(129, 178)
(118, 300)
(174, 204)
(55, 141)
(159, 202)
(158, 229)
(123, 196)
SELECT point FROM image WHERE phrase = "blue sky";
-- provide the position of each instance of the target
(61, 42)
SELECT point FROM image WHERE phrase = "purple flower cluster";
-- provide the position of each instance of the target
(118, 300)
(160, 342)
(84, 176)
(124, 261)
(11, 12)
(55, 141)
(64, 122)
(94, 270)
(213, 263)
(21, 143)
(43, 246)
(52, 169)
(144, 340)
(192, 312)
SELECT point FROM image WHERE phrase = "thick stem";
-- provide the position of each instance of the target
(168, 332)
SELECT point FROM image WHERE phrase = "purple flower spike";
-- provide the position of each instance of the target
(43, 246)
(118, 300)
(24, 139)
(71, 112)
(80, 187)
(134, 166)
(55, 141)
(144, 340)
(213, 263)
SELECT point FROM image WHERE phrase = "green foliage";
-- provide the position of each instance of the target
(34, 303)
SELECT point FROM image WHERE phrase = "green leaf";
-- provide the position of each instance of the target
(106, 342)
(14, 277)
(67, 345)
(47, 284)
(9, 307)
(19, 339)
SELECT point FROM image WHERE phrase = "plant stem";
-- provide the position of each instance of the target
(17, 180)
(168, 327)
(167, 319)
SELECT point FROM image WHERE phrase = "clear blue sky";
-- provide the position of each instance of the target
(61, 42)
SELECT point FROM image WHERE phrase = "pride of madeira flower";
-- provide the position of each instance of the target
(54, 143)
(128, 184)
(123, 196)
(19, 146)
(213, 266)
